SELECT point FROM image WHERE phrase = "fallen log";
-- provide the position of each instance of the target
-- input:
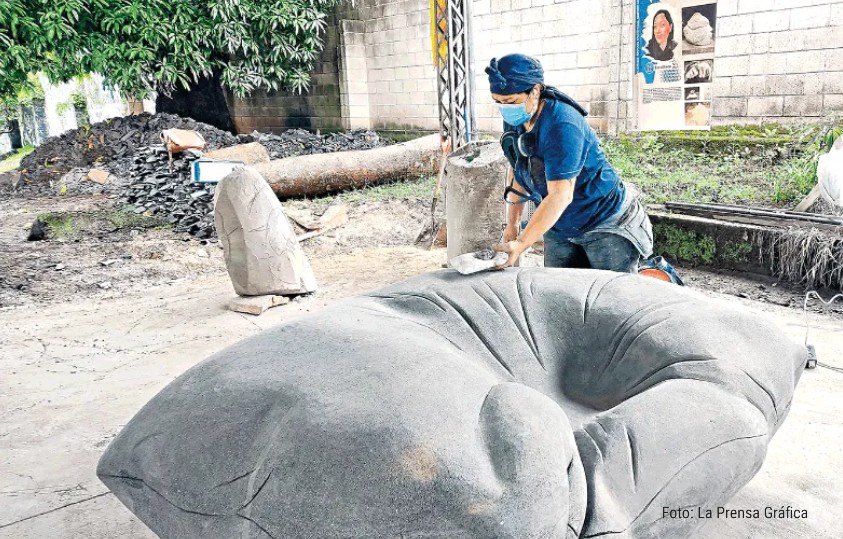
(310, 175)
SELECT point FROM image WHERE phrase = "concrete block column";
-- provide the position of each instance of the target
(353, 75)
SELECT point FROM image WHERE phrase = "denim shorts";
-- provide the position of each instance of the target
(617, 244)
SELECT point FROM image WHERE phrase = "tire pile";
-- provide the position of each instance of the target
(103, 142)
(142, 177)
(153, 188)
(300, 142)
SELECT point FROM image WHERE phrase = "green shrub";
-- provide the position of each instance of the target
(678, 244)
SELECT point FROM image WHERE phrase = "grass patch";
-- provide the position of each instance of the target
(769, 165)
(677, 244)
(736, 252)
(75, 225)
(13, 161)
(126, 219)
(410, 190)
(61, 225)
(684, 176)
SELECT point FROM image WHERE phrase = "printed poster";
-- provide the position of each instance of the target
(674, 64)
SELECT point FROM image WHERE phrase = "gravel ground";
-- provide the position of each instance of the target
(98, 261)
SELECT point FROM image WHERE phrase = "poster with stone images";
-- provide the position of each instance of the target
(674, 64)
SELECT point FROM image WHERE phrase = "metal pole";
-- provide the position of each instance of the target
(455, 71)
(471, 98)
(453, 46)
(441, 59)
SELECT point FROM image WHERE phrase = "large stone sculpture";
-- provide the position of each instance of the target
(262, 253)
(517, 404)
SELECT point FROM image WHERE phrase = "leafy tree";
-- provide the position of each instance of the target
(163, 45)
(18, 59)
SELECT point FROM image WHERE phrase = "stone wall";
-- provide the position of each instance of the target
(376, 70)
(56, 114)
(775, 60)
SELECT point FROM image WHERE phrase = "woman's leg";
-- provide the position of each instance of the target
(563, 254)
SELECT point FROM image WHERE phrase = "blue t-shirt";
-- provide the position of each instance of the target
(567, 147)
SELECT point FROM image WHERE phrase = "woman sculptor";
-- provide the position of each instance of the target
(588, 217)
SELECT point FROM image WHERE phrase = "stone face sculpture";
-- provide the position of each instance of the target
(262, 253)
(518, 404)
(698, 31)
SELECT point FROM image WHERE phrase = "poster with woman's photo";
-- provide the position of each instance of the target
(675, 63)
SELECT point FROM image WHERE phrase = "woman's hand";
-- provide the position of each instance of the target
(514, 248)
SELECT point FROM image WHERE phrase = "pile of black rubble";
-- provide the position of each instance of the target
(130, 148)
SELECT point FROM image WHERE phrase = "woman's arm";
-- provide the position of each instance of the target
(513, 210)
(560, 193)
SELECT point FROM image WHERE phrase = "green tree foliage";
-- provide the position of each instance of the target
(158, 45)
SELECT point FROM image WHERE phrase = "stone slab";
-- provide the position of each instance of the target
(99, 176)
(256, 305)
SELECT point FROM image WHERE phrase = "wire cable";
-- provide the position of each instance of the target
(827, 304)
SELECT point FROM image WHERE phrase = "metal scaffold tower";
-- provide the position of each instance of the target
(452, 50)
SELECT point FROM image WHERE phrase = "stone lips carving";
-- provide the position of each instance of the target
(516, 404)
(262, 253)
(698, 31)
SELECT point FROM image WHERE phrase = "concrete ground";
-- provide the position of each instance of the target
(72, 374)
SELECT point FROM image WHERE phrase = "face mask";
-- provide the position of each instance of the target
(515, 114)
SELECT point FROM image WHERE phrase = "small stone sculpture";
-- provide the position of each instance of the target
(513, 404)
(262, 253)
(698, 31)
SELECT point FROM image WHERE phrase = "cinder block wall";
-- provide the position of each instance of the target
(775, 60)
(778, 60)
(388, 75)
(577, 42)
(401, 77)
(317, 108)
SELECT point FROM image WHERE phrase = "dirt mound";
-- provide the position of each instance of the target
(109, 140)
(142, 178)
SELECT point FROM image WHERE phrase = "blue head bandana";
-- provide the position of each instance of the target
(514, 74)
